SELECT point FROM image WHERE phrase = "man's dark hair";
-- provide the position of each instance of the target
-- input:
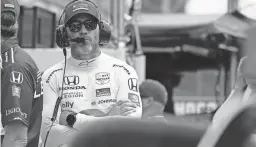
(8, 28)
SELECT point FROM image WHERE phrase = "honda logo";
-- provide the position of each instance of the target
(133, 84)
(71, 80)
(16, 77)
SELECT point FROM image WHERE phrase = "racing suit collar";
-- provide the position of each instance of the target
(85, 63)
(9, 43)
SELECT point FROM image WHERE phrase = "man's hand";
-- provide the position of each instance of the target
(63, 117)
(244, 76)
(122, 108)
(93, 112)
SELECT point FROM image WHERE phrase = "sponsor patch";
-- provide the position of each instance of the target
(73, 88)
(49, 77)
(107, 101)
(15, 110)
(73, 95)
(102, 78)
(39, 86)
(16, 91)
(103, 92)
(71, 80)
(16, 77)
(8, 5)
(80, 7)
(133, 84)
(134, 98)
(124, 68)
(67, 104)
(86, 63)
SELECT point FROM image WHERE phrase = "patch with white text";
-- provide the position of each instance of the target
(102, 78)
(103, 92)
(133, 84)
(15, 110)
(16, 77)
(134, 98)
(16, 91)
(80, 7)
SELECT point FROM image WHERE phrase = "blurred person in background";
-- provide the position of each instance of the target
(90, 85)
(21, 101)
(154, 98)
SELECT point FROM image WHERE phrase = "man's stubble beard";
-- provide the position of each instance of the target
(9, 31)
(84, 52)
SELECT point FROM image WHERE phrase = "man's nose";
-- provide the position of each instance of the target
(84, 30)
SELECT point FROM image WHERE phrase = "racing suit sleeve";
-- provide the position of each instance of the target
(129, 90)
(16, 102)
(17, 94)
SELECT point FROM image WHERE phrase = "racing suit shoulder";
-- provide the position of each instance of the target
(120, 66)
(53, 72)
(128, 84)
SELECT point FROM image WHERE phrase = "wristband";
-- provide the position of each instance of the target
(71, 119)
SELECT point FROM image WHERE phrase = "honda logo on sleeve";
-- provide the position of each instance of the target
(133, 84)
(71, 80)
(16, 77)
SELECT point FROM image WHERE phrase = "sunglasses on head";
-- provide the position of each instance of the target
(76, 26)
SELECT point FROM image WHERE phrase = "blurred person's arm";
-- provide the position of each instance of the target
(17, 97)
(16, 135)
(236, 95)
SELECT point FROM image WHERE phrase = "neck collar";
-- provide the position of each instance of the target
(94, 62)
(9, 43)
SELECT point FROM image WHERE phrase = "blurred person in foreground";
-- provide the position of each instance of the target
(21, 97)
(95, 86)
(240, 92)
(126, 133)
(154, 98)
(243, 92)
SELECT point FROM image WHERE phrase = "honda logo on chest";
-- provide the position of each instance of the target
(71, 80)
(133, 84)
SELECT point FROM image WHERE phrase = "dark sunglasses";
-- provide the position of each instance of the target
(76, 26)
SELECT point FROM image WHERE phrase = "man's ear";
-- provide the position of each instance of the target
(66, 29)
(147, 102)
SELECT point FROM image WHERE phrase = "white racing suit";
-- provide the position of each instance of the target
(95, 84)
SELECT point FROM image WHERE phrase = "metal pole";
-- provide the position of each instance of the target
(222, 84)
(121, 19)
(233, 67)
(232, 5)
(114, 16)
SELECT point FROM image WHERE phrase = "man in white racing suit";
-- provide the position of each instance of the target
(94, 86)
